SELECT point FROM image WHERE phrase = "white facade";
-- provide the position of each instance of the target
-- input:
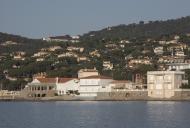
(162, 84)
(158, 50)
(180, 53)
(179, 66)
(62, 85)
(90, 86)
(67, 86)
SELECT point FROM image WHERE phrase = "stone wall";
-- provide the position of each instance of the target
(123, 95)
(182, 94)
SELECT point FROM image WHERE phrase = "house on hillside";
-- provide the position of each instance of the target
(19, 55)
(54, 48)
(82, 58)
(65, 38)
(94, 53)
(107, 65)
(158, 50)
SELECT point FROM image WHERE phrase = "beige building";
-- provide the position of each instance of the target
(41, 87)
(107, 65)
(162, 84)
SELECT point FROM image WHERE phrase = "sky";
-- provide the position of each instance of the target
(43, 18)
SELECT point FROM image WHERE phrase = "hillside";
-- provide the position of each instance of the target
(120, 52)
(20, 44)
(152, 29)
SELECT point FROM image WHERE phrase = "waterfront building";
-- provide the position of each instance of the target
(67, 86)
(162, 84)
(91, 85)
(46, 87)
(40, 87)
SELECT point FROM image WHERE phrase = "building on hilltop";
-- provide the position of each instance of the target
(65, 38)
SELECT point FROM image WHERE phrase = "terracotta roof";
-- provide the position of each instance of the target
(120, 81)
(46, 80)
(63, 80)
(96, 77)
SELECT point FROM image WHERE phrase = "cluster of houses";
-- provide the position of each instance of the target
(171, 58)
(166, 52)
(160, 84)
(65, 38)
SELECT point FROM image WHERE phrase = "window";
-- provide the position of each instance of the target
(158, 86)
(151, 86)
(151, 78)
(167, 78)
(169, 86)
(158, 93)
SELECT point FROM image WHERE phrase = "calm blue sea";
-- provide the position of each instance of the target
(84, 114)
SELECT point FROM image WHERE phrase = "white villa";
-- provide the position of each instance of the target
(67, 86)
(42, 87)
(91, 85)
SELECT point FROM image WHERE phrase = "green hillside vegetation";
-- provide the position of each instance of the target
(142, 39)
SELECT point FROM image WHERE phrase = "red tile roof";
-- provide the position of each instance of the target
(46, 80)
(63, 80)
